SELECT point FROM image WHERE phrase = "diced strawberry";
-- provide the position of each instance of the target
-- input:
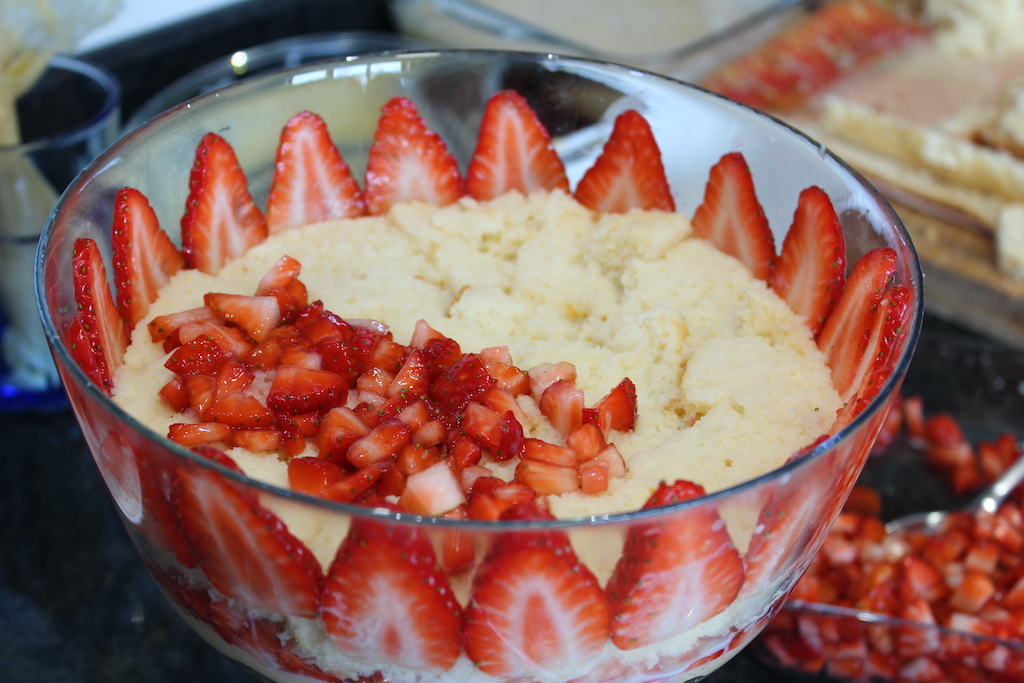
(384, 440)
(463, 451)
(201, 355)
(544, 375)
(433, 491)
(241, 411)
(312, 476)
(296, 390)
(358, 487)
(101, 323)
(490, 497)
(199, 433)
(467, 380)
(233, 342)
(616, 411)
(593, 476)
(413, 458)
(174, 394)
(411, 379)
(860, 328)
(513, 151)
(810, 272)
(503, 401)
(732, 219)
(547, 478)
(562, 403)
(483, 425)
(587, 440)
(312, 182)
(629, 174)
(202, 390)
(144, 258)
(535, 608)
(166, 326)
(245, 550)
(616, 463)
(257, 315)
(258, 440)
(675, 572)
(386, 601)
(221, 220)
(283, 273)
(409, 162)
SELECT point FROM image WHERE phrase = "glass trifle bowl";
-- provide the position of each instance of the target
(441, 533)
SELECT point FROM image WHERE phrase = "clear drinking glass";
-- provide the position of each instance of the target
(68, 117)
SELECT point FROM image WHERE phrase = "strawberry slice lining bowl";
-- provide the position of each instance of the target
(394, 552)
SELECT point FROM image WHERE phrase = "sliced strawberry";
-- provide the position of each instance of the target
(164, 327)
(386, 601)
(245, 550)
(221, 220)
(732, 219)
(675, 572)
(202, 356)
(312, 182)
(534, 609)
(513, 151)
(199, 433)
(296, 390)
(409, 162)
(878, 354)
(144, 258)
(848, 339)
(103, 329)
(257, 315)
(629, 174)
(810, 272)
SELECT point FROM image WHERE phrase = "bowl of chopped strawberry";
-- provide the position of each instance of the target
(476, 366)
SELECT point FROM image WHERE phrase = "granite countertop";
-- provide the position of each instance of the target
(76, 603)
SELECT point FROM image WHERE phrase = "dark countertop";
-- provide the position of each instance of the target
(77, 605)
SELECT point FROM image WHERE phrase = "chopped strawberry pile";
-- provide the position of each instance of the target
(967, 577)
(421, 421)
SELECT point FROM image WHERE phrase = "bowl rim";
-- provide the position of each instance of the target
(783, 472)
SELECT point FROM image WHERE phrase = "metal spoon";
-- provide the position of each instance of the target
(988, 499)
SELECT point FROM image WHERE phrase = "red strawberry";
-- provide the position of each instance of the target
(258, 316)
(409, 162)
(312, 183)
(846, 337)
(513, 151)
(616, 411)
(629, 174)
(282, 274)
(297, 390)
(535, 609)
(221, 220)
(675, 572)
(387, 601)
(810, 272)
(467, 380)
(562, 404)
(104, 332)
(144, 257)
(731, 217)
(244, 549)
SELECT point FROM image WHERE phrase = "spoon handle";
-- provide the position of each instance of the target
(991, 497)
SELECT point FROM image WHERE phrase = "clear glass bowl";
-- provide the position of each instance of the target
(578, 101)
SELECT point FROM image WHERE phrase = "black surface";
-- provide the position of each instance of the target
(76, 603)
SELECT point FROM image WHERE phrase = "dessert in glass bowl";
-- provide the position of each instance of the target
(466, 365)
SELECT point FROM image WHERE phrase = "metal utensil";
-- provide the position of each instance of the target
(988, 499)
